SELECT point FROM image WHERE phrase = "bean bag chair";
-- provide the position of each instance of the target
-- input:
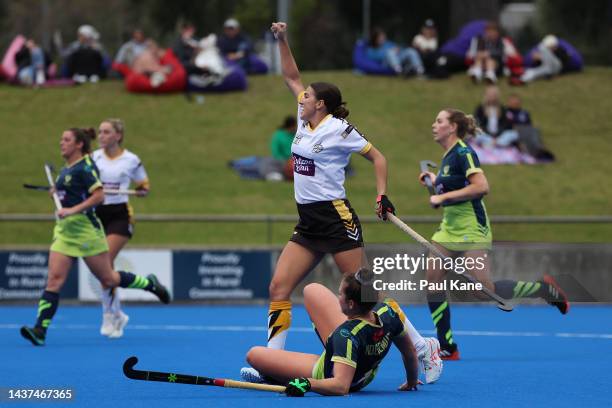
(576, 61)
(9, 66)
(459, 45)
(257, 65)
(365, 65)
(141, 83)
(235, 80)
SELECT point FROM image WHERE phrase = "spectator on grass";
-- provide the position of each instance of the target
(131, 49)
(85, 56)
(186, 48)
(403, 61)
(553, 60)
(426, 43)
(32, 64)
(280, 145)
(529, 138)
(148, 62)
(488, 52)
(492, 118)
(515, 114)
(234, 45)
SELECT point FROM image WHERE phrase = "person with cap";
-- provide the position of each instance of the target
(426, 43)
(234, 45)
(553, 60)
(85, 56)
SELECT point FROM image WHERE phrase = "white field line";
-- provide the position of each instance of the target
(180, 327)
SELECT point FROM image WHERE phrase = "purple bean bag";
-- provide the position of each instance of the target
(459, 45)
(236, 80)
(365, 65)
(576, 61)
(256, 65)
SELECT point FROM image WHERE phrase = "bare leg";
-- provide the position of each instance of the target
(100, 266)
(324, 310)
(350, 261)
(59, 266)
(281, 365)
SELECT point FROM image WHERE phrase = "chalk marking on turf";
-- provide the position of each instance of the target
(180, 327)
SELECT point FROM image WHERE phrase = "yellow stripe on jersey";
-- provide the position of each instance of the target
(349, 349)
(95, 186)
(343, 210)
(143, 184)
(358, 327)
(342, 360)
(366, 148)
(329, 115)
(473, 169)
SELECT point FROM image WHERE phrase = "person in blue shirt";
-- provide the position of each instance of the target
(403, 61)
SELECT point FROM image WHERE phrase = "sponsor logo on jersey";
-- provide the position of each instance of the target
(317, 148)
(347, 131)
(297, 139)
(303, 166)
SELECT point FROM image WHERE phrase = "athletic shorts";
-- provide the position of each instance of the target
(460, 231)
(116, 219)
(328, 227)
(77, 236)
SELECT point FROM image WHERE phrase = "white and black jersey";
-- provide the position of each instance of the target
(118, 173)
(320, 156)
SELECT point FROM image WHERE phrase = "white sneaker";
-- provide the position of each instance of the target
(108, 324)
(475, 72)
(491, 77)
(251, 375)
(121, 320)
(432, 364)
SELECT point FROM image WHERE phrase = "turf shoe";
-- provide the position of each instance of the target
(120, 321)
(108, 324)
(449, 352)
(556, 296)
(249, 374)
(432, 363)
(159, 290)
(35, 334)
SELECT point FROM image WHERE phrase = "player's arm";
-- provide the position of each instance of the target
(339, 384)
(96, 198)
(289, 68)
(409, 357)
(478, 187)
(380, 168)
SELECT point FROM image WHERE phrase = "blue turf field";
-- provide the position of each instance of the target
(530, 357)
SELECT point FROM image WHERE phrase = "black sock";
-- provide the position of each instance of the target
(132, 281)
(509, 289)
(47, 306)
(440, 313)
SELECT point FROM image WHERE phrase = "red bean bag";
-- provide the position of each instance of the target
(141, 83)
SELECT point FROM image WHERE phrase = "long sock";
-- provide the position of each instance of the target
(107, 298)
(440, 313)
(415, 336)
(279, 320)
(115, 306)
(509, 289)
(47, 306)
(132, 281)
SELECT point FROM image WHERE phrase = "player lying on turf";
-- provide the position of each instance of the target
(358, 332)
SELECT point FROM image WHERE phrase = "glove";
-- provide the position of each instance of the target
(297, 387)
(383, 206)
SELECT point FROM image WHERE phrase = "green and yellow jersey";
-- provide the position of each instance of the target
(361, 345)
(465, 224)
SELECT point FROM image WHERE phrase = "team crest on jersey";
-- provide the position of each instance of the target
(297, 139)
(317, 148)
(67, 179)
(445, 170)
(303, 165)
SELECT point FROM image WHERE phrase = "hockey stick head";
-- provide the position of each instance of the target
(35, 187)
(427, 165)
(128, 368)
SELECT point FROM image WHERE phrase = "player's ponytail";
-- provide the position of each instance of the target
(331, 96)
(466, 124)
(359, 288)
(85, 136)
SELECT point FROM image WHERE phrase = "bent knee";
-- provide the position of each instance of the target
(312, 290)
(278, 290)
(253, 355)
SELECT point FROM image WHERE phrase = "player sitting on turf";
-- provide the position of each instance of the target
(354, 347)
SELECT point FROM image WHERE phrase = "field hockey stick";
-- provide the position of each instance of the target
(106, 190)
(128, 370)
(427, 165)
(56, 200)
(501, 302)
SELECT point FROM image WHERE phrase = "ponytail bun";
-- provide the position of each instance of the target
(340, 112)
